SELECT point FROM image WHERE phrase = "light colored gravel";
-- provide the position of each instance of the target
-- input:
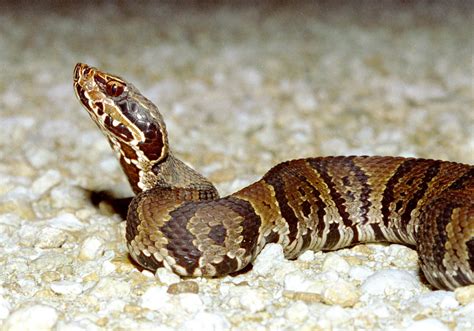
(241, 88)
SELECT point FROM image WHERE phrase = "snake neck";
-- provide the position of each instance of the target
(144, 175)
(173, 172)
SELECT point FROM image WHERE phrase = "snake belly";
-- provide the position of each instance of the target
(178, 221)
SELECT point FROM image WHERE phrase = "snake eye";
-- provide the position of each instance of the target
(114, 88)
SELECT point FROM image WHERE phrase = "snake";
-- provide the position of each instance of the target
(177, 220)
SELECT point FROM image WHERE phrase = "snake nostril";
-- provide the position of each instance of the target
(82, 70)
(77, 70)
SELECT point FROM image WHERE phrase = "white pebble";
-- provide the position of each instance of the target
(341, 293)
(44, 183)
(84, 323)
(69, 326)
(272, 264)
(465, 295)
(296, 281)
(155, 298)
(387, 282)
(40, 157)
(65, 287)
(206, 321)
(337, 314)
(108, 268)
(167, 277)
(92, 247)
(108, 288)
(334, 262)
(252, 300)
(360, 273)
(307, 256)
(65, 196)
(305, 101)
(430, 324)
(190, 302)
(115, 305)
(66, 221)
(32, 318)
(50, 238)
(443, 299)
(297, 312)
(267, 259)
(381, 310)
(147, 273)
(4, 308)
(449, 302)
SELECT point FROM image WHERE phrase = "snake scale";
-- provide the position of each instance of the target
(177, 219)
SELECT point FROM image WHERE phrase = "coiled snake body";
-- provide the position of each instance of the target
(178, 221)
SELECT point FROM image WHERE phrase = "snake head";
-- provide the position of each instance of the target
(132, 123)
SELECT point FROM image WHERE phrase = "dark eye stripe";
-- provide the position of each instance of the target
(100, 80)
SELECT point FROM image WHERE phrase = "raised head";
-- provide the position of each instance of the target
(132, 123)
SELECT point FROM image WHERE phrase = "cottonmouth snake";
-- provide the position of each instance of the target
(178, 221)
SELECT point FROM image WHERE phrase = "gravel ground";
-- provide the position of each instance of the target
(241, 88)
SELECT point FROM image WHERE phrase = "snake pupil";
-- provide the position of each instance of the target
(114, 88)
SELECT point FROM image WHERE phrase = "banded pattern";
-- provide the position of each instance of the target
(178, 221)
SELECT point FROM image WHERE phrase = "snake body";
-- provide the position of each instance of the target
(177, 220)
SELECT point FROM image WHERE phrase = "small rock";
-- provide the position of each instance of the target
(191, 302)
(431, 324)
(337, 315)
(305, 101)
(296, 281)
(465, 295)
(183, 287)
(28, 234)
(65, 287)
(108, 288)
(44, 183)
(116, 305)
(167, 277)
(334, 262)
(64, 196)
(252, 300)
(34, 318)
(303, 296)
(50, 238)
(386, 282)
(67, 222)
(154, 298)
(108, 267)
(443, 299)
(297, 312)
(307, 256)
(341, 293)
(269, 260)
(74, 326)
(4, 308)
(360, 273)
(206, 321)
(51, 260)
(382, 310)
(92, 247)
(40, 157)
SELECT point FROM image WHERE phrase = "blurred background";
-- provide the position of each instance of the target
(243, 85)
